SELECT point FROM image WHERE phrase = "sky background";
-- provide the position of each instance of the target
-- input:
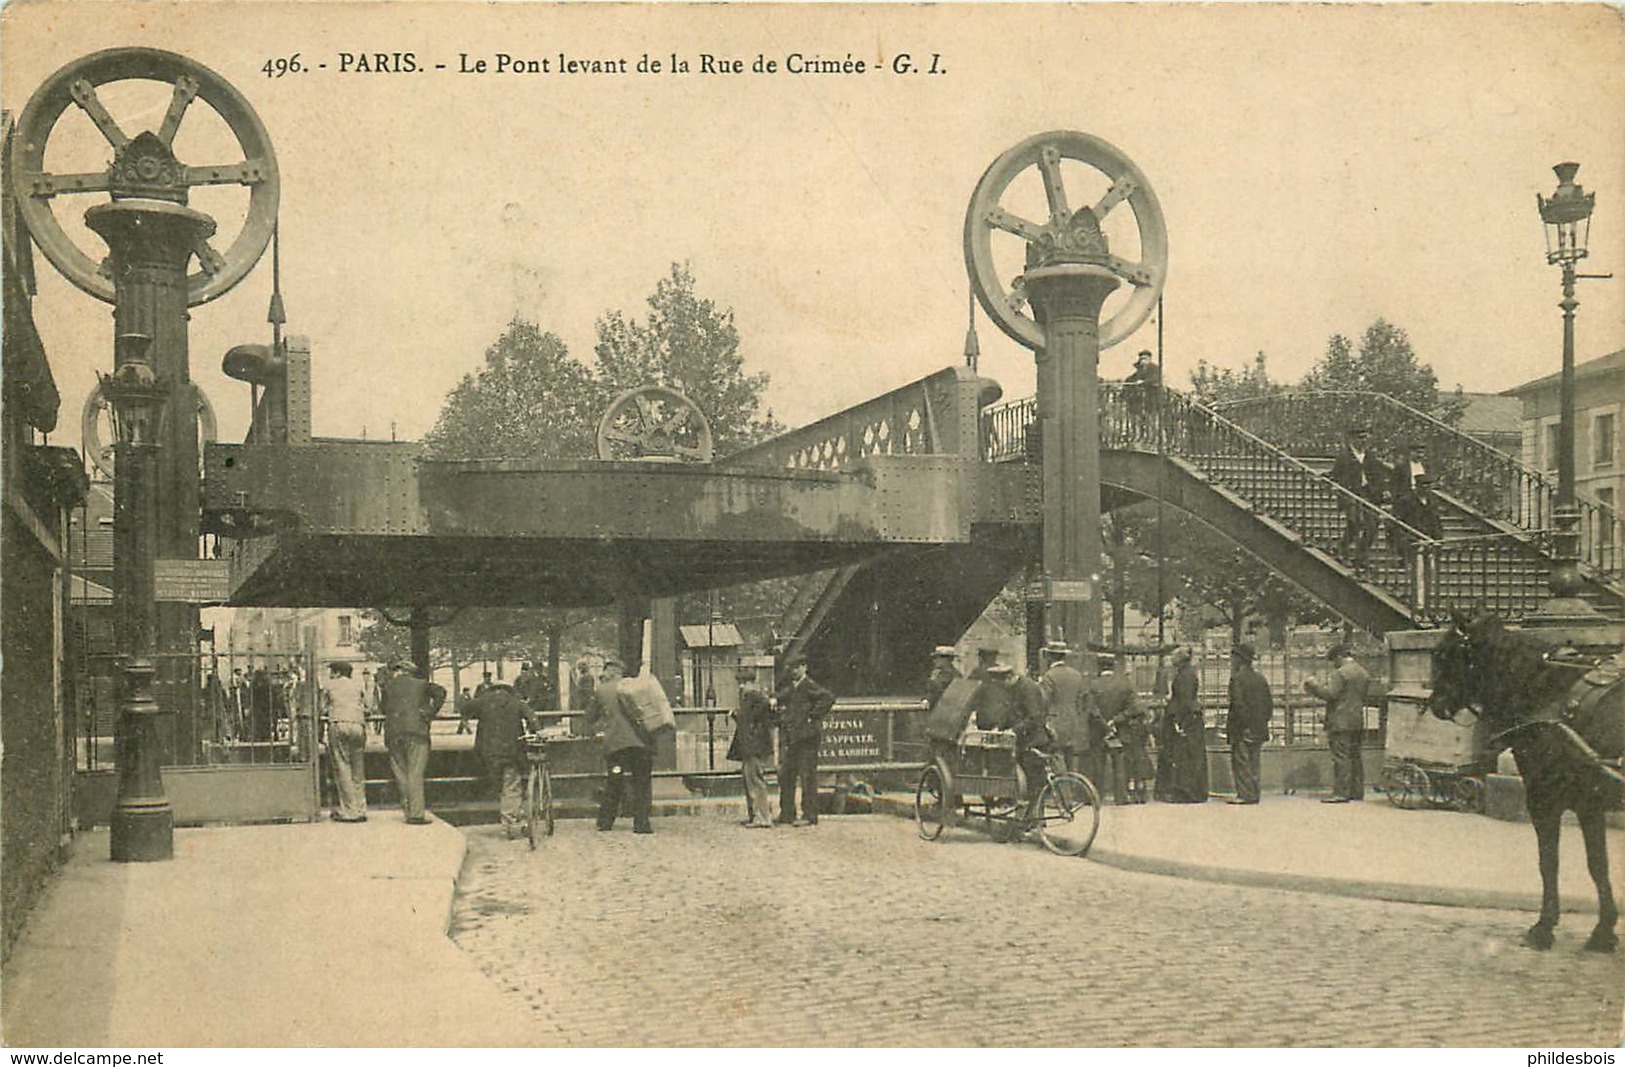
(1318, 166)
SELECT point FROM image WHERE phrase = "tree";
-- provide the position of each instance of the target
(686, 343)
(1384, 363)
(532, 398)
(689, 344)
(1129, 540)
(1217, 385)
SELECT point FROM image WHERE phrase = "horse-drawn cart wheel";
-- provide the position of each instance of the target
(1469, 795)
(1408, 786)
(931, 803)
(1069, 814)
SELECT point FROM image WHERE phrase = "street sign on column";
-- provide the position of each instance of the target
(192, 581)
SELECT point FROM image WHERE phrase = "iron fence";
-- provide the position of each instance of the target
(222, 708)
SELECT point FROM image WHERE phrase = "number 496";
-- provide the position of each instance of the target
(276, 68)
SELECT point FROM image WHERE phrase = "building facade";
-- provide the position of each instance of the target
(40, 484)
(1599, 407)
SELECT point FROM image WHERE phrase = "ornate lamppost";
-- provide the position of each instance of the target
(1567, 218)
(143, 825)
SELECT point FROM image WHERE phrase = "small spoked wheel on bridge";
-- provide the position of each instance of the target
(538, 812)
(656, 424)
(931, 802)
(1068, 814)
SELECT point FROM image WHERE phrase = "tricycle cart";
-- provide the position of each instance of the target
(981, 778)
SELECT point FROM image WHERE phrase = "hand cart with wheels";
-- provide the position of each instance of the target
(1430, 762)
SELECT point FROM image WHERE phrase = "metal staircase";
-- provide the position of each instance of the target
(1497, 491)
(1480, 561)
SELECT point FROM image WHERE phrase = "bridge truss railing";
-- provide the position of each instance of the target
(936, 415)
(1495, 484)
(1438, 576)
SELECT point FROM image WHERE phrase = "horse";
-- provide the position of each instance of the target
(1563, 716)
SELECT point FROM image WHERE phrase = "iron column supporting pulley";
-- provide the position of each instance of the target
(1054, 308)
(152, 238)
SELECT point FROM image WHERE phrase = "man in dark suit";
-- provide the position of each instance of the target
(1119, 708)
(803, 703)
(1248, 723)
(410, 703)
(503, 719)
(1357, 469)
(629, 753)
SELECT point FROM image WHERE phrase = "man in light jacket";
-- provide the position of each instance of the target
(1344, 692)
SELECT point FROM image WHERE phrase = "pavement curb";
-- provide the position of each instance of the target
(1397, 892)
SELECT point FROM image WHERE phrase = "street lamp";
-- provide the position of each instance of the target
(1567, 218)
(142, 826)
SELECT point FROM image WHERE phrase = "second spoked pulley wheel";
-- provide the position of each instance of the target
(655, 423)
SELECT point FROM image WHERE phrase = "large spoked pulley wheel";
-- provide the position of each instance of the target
(95, 427)
(40, 192)
(655, 423)
(1056, 193)
(931, 803)
(1069, 814)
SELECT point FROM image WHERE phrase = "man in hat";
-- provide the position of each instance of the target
(943, 674)
(503, 720)
(346, 741)
(803, 703)
(1344, 692)
(1124, 739)
(752, 745)
(990, 703)
(1067, 703)
(629, 752)
(1357, 469)
(1248, 723)
(1144, 383)
(1027, 722)
(409, 703)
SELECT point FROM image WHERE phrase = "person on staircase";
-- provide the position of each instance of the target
(1357, 469)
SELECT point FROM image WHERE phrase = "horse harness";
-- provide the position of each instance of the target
(1598, 684)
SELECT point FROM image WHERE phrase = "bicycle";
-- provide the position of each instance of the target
(538, 810)
(989, 777)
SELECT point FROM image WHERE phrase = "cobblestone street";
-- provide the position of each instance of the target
(858, 933)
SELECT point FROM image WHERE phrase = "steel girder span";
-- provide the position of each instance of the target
(345, 523)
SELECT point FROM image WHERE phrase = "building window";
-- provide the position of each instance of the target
(1602, 440)
(346, 630)
(1553, 445)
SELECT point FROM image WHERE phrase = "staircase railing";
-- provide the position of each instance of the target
(1438, 576)
(1495, 484)
(1468, 573)
(1281, 486)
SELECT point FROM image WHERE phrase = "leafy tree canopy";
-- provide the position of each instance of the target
(532, 398)
(1217, 385)
(1383, 363)
(689, 344)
